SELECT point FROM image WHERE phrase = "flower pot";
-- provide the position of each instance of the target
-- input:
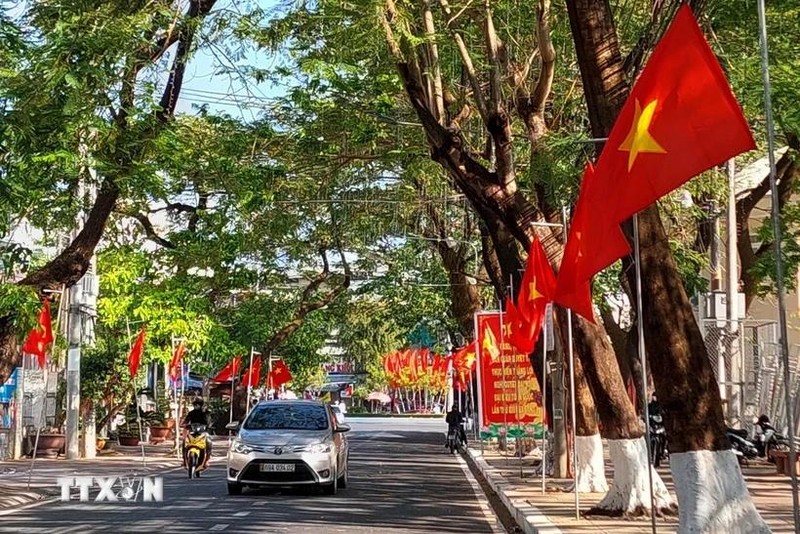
(159, 433)
(50, 442)
(169, 423)
(129, 441)
(100, 444)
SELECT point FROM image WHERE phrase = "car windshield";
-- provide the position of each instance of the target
(287, 417)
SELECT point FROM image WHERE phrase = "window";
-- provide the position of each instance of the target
(280, 416)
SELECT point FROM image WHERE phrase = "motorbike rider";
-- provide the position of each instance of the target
(653, 408)
(454, 421)
(197, 415)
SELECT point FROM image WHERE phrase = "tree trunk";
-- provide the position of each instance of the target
(683, 377)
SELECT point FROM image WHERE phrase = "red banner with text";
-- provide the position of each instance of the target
(509, 391)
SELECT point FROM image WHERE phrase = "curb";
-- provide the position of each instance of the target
(529, 518)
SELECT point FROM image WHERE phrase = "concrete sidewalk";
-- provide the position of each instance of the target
(554, 511)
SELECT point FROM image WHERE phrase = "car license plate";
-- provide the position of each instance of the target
(277, 468)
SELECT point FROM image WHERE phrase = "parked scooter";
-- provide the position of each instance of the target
(767, 439)
(742, 447)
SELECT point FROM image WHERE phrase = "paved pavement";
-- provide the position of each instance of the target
(554, 511)
(402, 480)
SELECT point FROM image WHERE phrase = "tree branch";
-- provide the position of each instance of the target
(435, 70)
(466, 59)
(149, 230)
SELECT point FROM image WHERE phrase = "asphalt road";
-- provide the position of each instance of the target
(401, 480)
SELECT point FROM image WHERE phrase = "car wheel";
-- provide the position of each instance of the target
(234, 488)
(332, 487)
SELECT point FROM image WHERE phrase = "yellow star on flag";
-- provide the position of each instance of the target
(639, 139)
(533, 293)
(490, 343)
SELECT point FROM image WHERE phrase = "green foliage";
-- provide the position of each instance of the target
(21, 304)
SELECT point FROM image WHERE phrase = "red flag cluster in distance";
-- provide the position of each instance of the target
(680, 119)
(410, 365)
(40, 337)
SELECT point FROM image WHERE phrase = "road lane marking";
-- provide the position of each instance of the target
(241, 514)
(219, 527)
(483, 500)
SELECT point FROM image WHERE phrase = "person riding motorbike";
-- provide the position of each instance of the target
(197, 415)
(454, 421)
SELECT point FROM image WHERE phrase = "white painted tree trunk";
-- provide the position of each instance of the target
(591, 474)
(712, 495)
(630, 489)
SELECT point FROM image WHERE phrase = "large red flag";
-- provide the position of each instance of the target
(279, 375)
(228, 372)
(38, 338)
(253, 374)
(175, 363)
(595, 241)
(135, 357)
(680, 119)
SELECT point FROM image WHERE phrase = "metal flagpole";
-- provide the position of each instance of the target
(234, 372)
(643, 359)
(573, 413)
(175, 399)
(544, 401)
(503, 380)
(515, 368)
(779, 281)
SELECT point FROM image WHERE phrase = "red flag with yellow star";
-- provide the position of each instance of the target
(279, 375)
(595, 241)
(538, 285)
(680, 119)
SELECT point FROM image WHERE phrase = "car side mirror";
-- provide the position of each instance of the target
(342, 428)
(232, 426)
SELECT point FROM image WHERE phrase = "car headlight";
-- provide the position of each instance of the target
(318, 448)
(241, 447)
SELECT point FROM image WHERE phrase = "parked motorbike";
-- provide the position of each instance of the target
(658, 439)
(742, 447)
(768, 440)
(195, 449)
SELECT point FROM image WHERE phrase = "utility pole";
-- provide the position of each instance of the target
(734, 352)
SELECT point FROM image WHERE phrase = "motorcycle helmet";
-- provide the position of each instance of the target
(763, 420)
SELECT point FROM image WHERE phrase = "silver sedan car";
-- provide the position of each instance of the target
(288, 443)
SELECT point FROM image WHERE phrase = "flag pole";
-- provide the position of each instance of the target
(643, 359)
(178, 429)
(573, 411)
(779, 274)
(234, 372)
(544, 402)
(516, 383)
(503, 381)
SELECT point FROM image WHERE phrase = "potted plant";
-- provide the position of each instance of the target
(159, 432)
(51, 442)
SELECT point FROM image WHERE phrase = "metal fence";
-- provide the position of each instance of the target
(745, 355)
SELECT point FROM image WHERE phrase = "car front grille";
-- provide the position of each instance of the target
(301, 473)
